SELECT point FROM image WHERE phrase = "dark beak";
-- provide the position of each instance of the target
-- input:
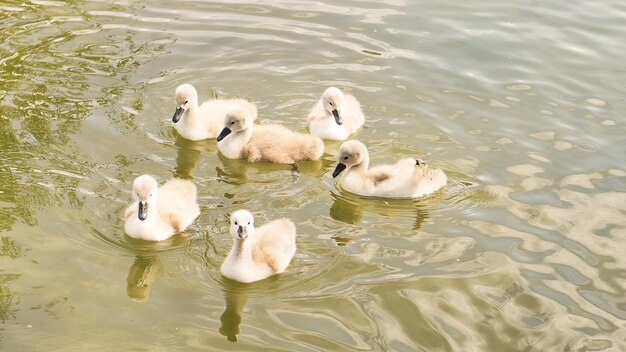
(225, 132)
(337, 117)
(340, 167)
(177, 115)
(143, 211)
(241, 233)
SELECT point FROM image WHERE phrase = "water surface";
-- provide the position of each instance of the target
(521, 102)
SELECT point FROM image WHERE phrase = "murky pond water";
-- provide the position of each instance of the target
(521, 102)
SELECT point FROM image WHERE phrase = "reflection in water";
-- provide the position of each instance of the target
(351, 208)
(7, 311)
(236, 171)
(189, 153)
(232, 171)
(533, 261)
(236, 297)
(11, 249)
(147, 267)
(141, 276)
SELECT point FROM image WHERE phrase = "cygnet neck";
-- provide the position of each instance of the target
(241, 248)
(191, 114)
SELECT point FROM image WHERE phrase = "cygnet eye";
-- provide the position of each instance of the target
(248, 222)
(235, 222)
(186, 101)
(232, 123)
(345, 157)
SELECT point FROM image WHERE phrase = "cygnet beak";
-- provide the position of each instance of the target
(225, 132)
(340, 167)
(337, 117)
(241, 233)
(142, 214)
(177, 114)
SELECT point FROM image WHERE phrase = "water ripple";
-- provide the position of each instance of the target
(520, 103)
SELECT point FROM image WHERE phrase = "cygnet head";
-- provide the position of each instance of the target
(186, 97)
(241, 224)
(332, 100)
(350, 153)
(237, 119)
(144, 191)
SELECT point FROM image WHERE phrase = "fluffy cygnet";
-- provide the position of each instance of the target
(160, 212)
(336, 115)
(196, 123)
(258, 253)
(240, 139)
(407, 178)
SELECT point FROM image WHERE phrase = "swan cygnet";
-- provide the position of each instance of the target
(407, 178)
(336, 115)
(240, 139)
(206, 121)
(258, 253)
(160, 212)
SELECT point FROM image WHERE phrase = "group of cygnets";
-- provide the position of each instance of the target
(157, 213)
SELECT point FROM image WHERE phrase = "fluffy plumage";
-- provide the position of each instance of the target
(336, 115)
(258, 253)
(159, 212)
(407, 178)
(240, 139)
(206, 121)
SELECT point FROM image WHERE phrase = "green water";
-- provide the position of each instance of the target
(520, 102)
